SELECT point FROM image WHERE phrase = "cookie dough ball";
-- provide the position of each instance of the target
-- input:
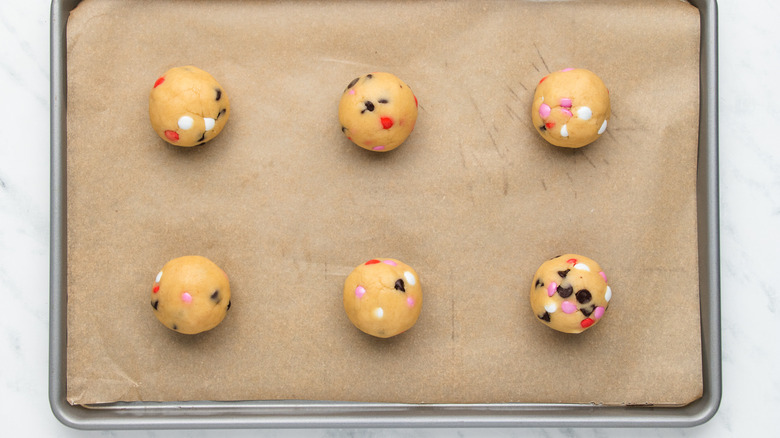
(191, 295)
(570, 293)
(383, 297)
(188, 107)
(571, 107)
(377, 111)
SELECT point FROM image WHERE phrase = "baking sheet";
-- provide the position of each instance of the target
(474, 201)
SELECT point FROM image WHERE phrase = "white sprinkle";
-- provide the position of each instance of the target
(379, 313)
(584, 113)
(410, 278)
(209, 123)
(550, 307)
(582, 266)
(608, 294)
(603, 127)
(159, 276)
(185, 122)
(564, 131)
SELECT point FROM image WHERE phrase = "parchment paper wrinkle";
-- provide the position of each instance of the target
(474, 200)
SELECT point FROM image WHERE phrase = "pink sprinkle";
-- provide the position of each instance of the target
(604, 276)
(410, 302)
(186, 297)
(599, 312)
(568, 307)
(567, 69)
(544, 111)
(352, 91)
(552, 288)
(360, 291)
(566, 112)
(378, 148)
(566, 102)
(390, 262)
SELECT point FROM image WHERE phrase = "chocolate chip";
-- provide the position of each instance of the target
(369, 76)
(369, 106)
(563, 274)
(155, 303)
(583, 296)
(352, 84)
(219, 93)
(202, 137)
(343, 129)
(588, 310)
(215, 297)
(221, 113)
(545, 317)
(538, 283)
(544, 128)
(228, 307)
(382, 101)
(399, 285)
(565, 292)
(175, 327)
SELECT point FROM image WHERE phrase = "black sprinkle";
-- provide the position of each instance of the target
(369, 106)
(563, 274)
(221, 113)
(538, 283)
(219, 94)
(399, 285)
(155, 303)
(228, 307)
(215, 297)
(588, 310)
(352, 84)
(202, 137)
(565, 292)
(382, 101)
(545, 317)
(583, 296)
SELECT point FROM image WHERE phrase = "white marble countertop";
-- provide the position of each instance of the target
(749, 52)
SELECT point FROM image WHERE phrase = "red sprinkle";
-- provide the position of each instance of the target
(549, 125)
(572, 261)
(543, 79)
(387, 122)
(415, 101)
(587, 322)
(372, 262)
(172, 135)
(156, 288)
(159, 81)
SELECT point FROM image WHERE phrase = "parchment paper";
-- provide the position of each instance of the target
(475, 201)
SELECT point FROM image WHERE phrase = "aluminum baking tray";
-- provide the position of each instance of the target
(319, 414)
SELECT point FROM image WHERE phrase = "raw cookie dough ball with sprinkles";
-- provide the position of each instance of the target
(377, 111)
(188, 107)
(571, 107)
(570, 293)
(191, 295)
(383, 297)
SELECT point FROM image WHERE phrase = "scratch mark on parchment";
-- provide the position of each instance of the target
(542, 58)
(587, 158)
(544, 186)
(512, 113)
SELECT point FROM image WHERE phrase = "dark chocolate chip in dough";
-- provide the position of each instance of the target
(343, 129)
(583, 296)
(538, 283)
(215, 297)
(588, 310)
(382, 101)
(563, 274)
(155, 303)
(228, 307)
(544, 128)
(565, 292)
(219, 93)
(352, 84)
(545, 317)
(175, 327)
(202, 137)
(369, 106)
(399, 285)
(221, 113)
(369, 76)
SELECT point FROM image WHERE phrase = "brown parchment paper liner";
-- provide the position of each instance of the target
(474, 200)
